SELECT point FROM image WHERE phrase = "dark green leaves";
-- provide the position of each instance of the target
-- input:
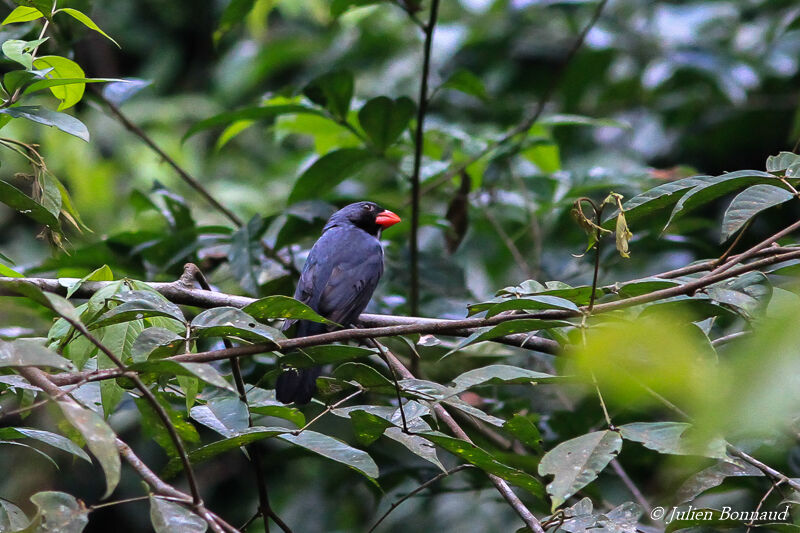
(334, 449)
(333, 91)
(27, 352)
(577, 462)
(170, 517)
(499, 374)
(340, 6)
(16, 199)
(384, 119)
(244, 254)
(139, 304)
(232, 322)
(273, 307)
(466, 82)
(748, 204)
(249, 113)
(672, 438)
(62, 121)
(100, 439)
(328, 171)
(325, 354)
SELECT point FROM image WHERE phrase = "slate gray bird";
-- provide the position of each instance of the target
(337, 281)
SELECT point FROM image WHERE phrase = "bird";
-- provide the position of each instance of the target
(337, 281)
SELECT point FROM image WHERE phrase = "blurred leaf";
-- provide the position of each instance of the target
(332, 91)
(27, 352)
(53, 439)
(466, 82)
(22, 14)
(711, 477)
(170, 517)
(673, 438)
(384, 119)
(338, 7)
(703, 517)
(248, 113)
(11, 517)
(577, 462)
(20, 51)
(118, 92)
(234, 12)
(579, 120)
(327, 172)
(279, 306)
(748, 204)
(100, 439)
(62, 68)
(62, 121)
(245, 254)
(232, 322)
(484, 460)
(58, 512)
(101, 274)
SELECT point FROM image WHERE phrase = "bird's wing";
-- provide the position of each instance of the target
(350, 287)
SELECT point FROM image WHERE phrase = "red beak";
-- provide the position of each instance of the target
(386, 219)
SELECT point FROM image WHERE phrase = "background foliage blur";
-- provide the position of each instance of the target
(689, 87)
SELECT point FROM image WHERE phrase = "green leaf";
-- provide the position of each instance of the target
(232, 322)
(55, 82)
(748, 204)
(364, 375)
(154, 427)
(62, 121)
(279, 306)
(523, 429)
(227, 415)
(671, 438)
(100, 439)
(384, 119)
(522, 325)
(711, 477)
(170, 517)
(338, 7)
(244, 255)
(779, 163)
(500, 374)
(20, 51)
(580, 120)
(11, 517)
(577, 462)
(167, 367)
(63, 69)
(711, 187)
(156, 342)
(86, 21)
(645, 204)
(137, 305)
(204, 453)
(249, 113)
(644, 286)
(58, 512)
(18, 200)
(16, 79)
(532, 303)
(334, 449)
(101, 274)
(332, 91)
(486, 462)
(22, 14)
(28, 352)
(327, 172)
(325, 354)
(263, 402)
(53, 439)
(9, 272)
(466, 82)
(368, 427)
(45, 7)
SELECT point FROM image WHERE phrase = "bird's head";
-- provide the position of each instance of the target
(368, 216)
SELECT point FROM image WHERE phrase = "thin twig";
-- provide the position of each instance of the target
(442, 414)
(382, 351)
(626, 479)
(327, 410)
(419, 140)
(772, 487)
(419, 489)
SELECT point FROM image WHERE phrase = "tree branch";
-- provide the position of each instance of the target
(419, 141)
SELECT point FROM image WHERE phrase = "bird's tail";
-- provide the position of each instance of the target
(297, 386)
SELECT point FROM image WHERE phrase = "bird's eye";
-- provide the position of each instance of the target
(367, 207)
